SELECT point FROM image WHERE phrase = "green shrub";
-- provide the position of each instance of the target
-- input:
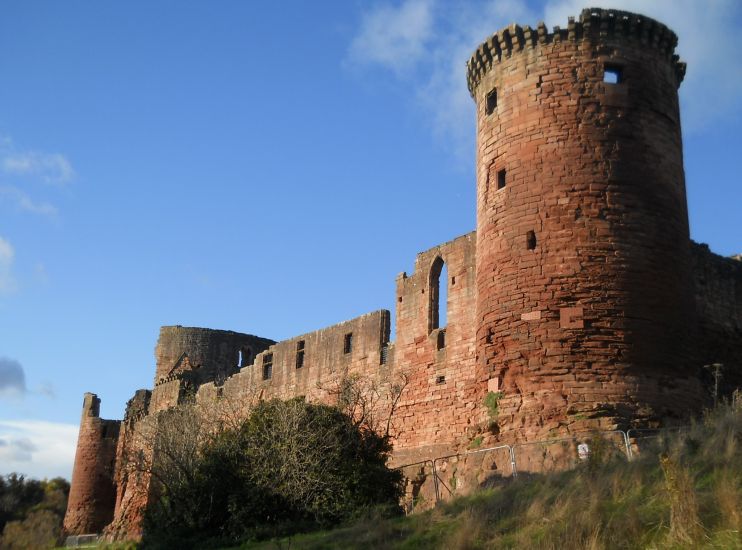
(291, 466)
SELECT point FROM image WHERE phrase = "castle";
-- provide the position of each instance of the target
(579, 302)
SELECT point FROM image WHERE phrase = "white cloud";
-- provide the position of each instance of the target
(36, 448)
(7, 256)
(428, 45)
(24, 202)
(394, 36)
(49, 167)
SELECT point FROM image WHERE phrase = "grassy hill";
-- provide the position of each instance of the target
(683, 491)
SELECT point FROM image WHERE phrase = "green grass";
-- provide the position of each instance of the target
(690, 498)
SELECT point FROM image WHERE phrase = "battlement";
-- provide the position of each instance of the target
(594, 24)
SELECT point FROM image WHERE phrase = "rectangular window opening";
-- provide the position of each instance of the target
(300, 354)
(440, 341)
(501, 178)
(441, 379)
(612, 74)
(348, 343)
(531, 240)
(267, 366)
(491, 101)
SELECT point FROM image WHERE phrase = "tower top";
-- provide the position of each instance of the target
(594, 24)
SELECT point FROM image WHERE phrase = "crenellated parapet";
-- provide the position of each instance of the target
(594, 24)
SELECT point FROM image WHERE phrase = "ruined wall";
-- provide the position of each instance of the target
(718, 291)
(439, 403)
(585, 308)
(92, 492)
(188, 357)
(312, 364)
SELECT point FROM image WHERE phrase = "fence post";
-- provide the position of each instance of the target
(627, 442)
(513, 468)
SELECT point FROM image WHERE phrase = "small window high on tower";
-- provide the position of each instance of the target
(501, 178)
(612, 74)
(490, 103)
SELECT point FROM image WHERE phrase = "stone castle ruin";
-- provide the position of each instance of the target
(579, 303)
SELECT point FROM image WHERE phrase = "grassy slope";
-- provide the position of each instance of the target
(692, 498)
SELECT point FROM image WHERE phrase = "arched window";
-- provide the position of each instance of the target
(438, 295)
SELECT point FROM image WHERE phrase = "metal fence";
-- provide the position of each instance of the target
(431, 481)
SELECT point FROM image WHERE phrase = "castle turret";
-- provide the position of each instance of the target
(190, 356)
(92, 491)
(584, 308)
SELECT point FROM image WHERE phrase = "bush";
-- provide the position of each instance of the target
(291, 466)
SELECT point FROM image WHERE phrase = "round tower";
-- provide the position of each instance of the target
(92, 492)
(584, 308)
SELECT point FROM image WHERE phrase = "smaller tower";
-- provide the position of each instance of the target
(92, 492)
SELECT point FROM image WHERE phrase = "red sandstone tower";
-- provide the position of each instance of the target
(584, 306)
(92, 491)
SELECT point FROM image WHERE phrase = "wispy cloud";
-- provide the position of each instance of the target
(393, 36)
(12, 377)
(24, 202)
(427, 44)
(7, 257)
(36, 448)
(48, 167)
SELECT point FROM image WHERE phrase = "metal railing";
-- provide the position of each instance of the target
(541, 456)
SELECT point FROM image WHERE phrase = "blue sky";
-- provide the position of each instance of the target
(261, 167)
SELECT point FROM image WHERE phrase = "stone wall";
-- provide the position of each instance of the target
(441, 400)
(212, 353)
(188, 357)
(585, 308)
(92, 491)
(310, 365)
(718, 291)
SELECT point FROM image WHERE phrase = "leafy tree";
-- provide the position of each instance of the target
(31, 511)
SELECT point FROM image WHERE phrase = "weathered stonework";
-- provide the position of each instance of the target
(579, 303)
(590, 227)
(91, 498)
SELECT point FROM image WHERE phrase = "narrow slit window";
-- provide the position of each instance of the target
(491, 101)
(501, 181)
(612, 74)
(348, 343)
(530, 240)
(440, 342)
(300, 354)
(267, 366)
(438, 296)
